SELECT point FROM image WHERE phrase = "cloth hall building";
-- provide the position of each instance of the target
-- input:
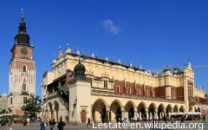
(81, 86)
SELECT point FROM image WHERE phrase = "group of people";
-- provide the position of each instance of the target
(52, 124)
(6, 124)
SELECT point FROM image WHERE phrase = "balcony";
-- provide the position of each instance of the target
(52, 95)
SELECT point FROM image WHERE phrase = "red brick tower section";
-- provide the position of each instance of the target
(22, 75)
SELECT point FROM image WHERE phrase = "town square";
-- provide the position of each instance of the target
(92, 64)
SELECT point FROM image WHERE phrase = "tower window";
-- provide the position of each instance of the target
(24, 68)
(25, 100)
(24, 88)
(11, 100)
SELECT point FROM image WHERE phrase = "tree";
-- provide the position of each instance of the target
(32, 106)
(3, 111)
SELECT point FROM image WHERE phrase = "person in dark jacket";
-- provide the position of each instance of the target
(61, 125)
(42, 125)
(88, 122)
(52, 124)
(3, 124)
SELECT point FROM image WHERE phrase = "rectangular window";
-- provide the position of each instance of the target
(152, 92)
(129, 91)
(117, 89)
(11, 100)
(25, 100)
(138, 92)
(173, 94)
(105, 84)
(146, 93)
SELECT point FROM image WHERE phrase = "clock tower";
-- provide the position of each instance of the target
(22, 73)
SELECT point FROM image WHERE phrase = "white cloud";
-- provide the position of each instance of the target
(109, 26)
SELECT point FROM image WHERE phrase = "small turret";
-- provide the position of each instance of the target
(79, 70)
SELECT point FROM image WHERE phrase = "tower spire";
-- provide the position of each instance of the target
(22, 38)
(189, 63)
(22, 15)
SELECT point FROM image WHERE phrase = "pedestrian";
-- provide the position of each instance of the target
(165, 119)
(204, 118)
(52, 124)
(88, 122)
(3, 124)
(61, 125)
(42, 125)
(10, 124)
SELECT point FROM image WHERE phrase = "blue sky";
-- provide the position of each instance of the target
(151, 33)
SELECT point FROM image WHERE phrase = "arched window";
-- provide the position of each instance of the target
(24, 68)
(11, 100)
(24, 88)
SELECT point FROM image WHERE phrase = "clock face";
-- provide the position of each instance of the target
(24, 51)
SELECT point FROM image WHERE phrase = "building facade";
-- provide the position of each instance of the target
(107, 90)
(3, 103)
(22, 73)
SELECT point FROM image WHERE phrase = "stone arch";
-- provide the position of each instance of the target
(175, 109)
(102, 100)
(151, 111)
(197, 109)
(169, 109)
(129, 109)
(24, 68)
(50, 109)
(142, 107)
(152, 106)
(99, 110)
(56, 110)
(181, 109)
(118, 101)
(161, 107)
(116, 111)
(161, 111)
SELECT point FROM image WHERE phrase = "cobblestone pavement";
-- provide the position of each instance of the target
(35, 126)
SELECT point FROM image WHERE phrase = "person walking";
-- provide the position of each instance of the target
(42, 125)
(3, 124)
(88, 122)
(61, 125)
(52, 124)
(10, 124)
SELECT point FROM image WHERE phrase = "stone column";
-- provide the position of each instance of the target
(122, 115)
(147, 115)
(164, 113)
(127, 116)
(135, 115)
(156, 114)
(54, 114)
(108, 113)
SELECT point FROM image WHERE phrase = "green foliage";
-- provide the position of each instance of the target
(3, 111)
(33, 106)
